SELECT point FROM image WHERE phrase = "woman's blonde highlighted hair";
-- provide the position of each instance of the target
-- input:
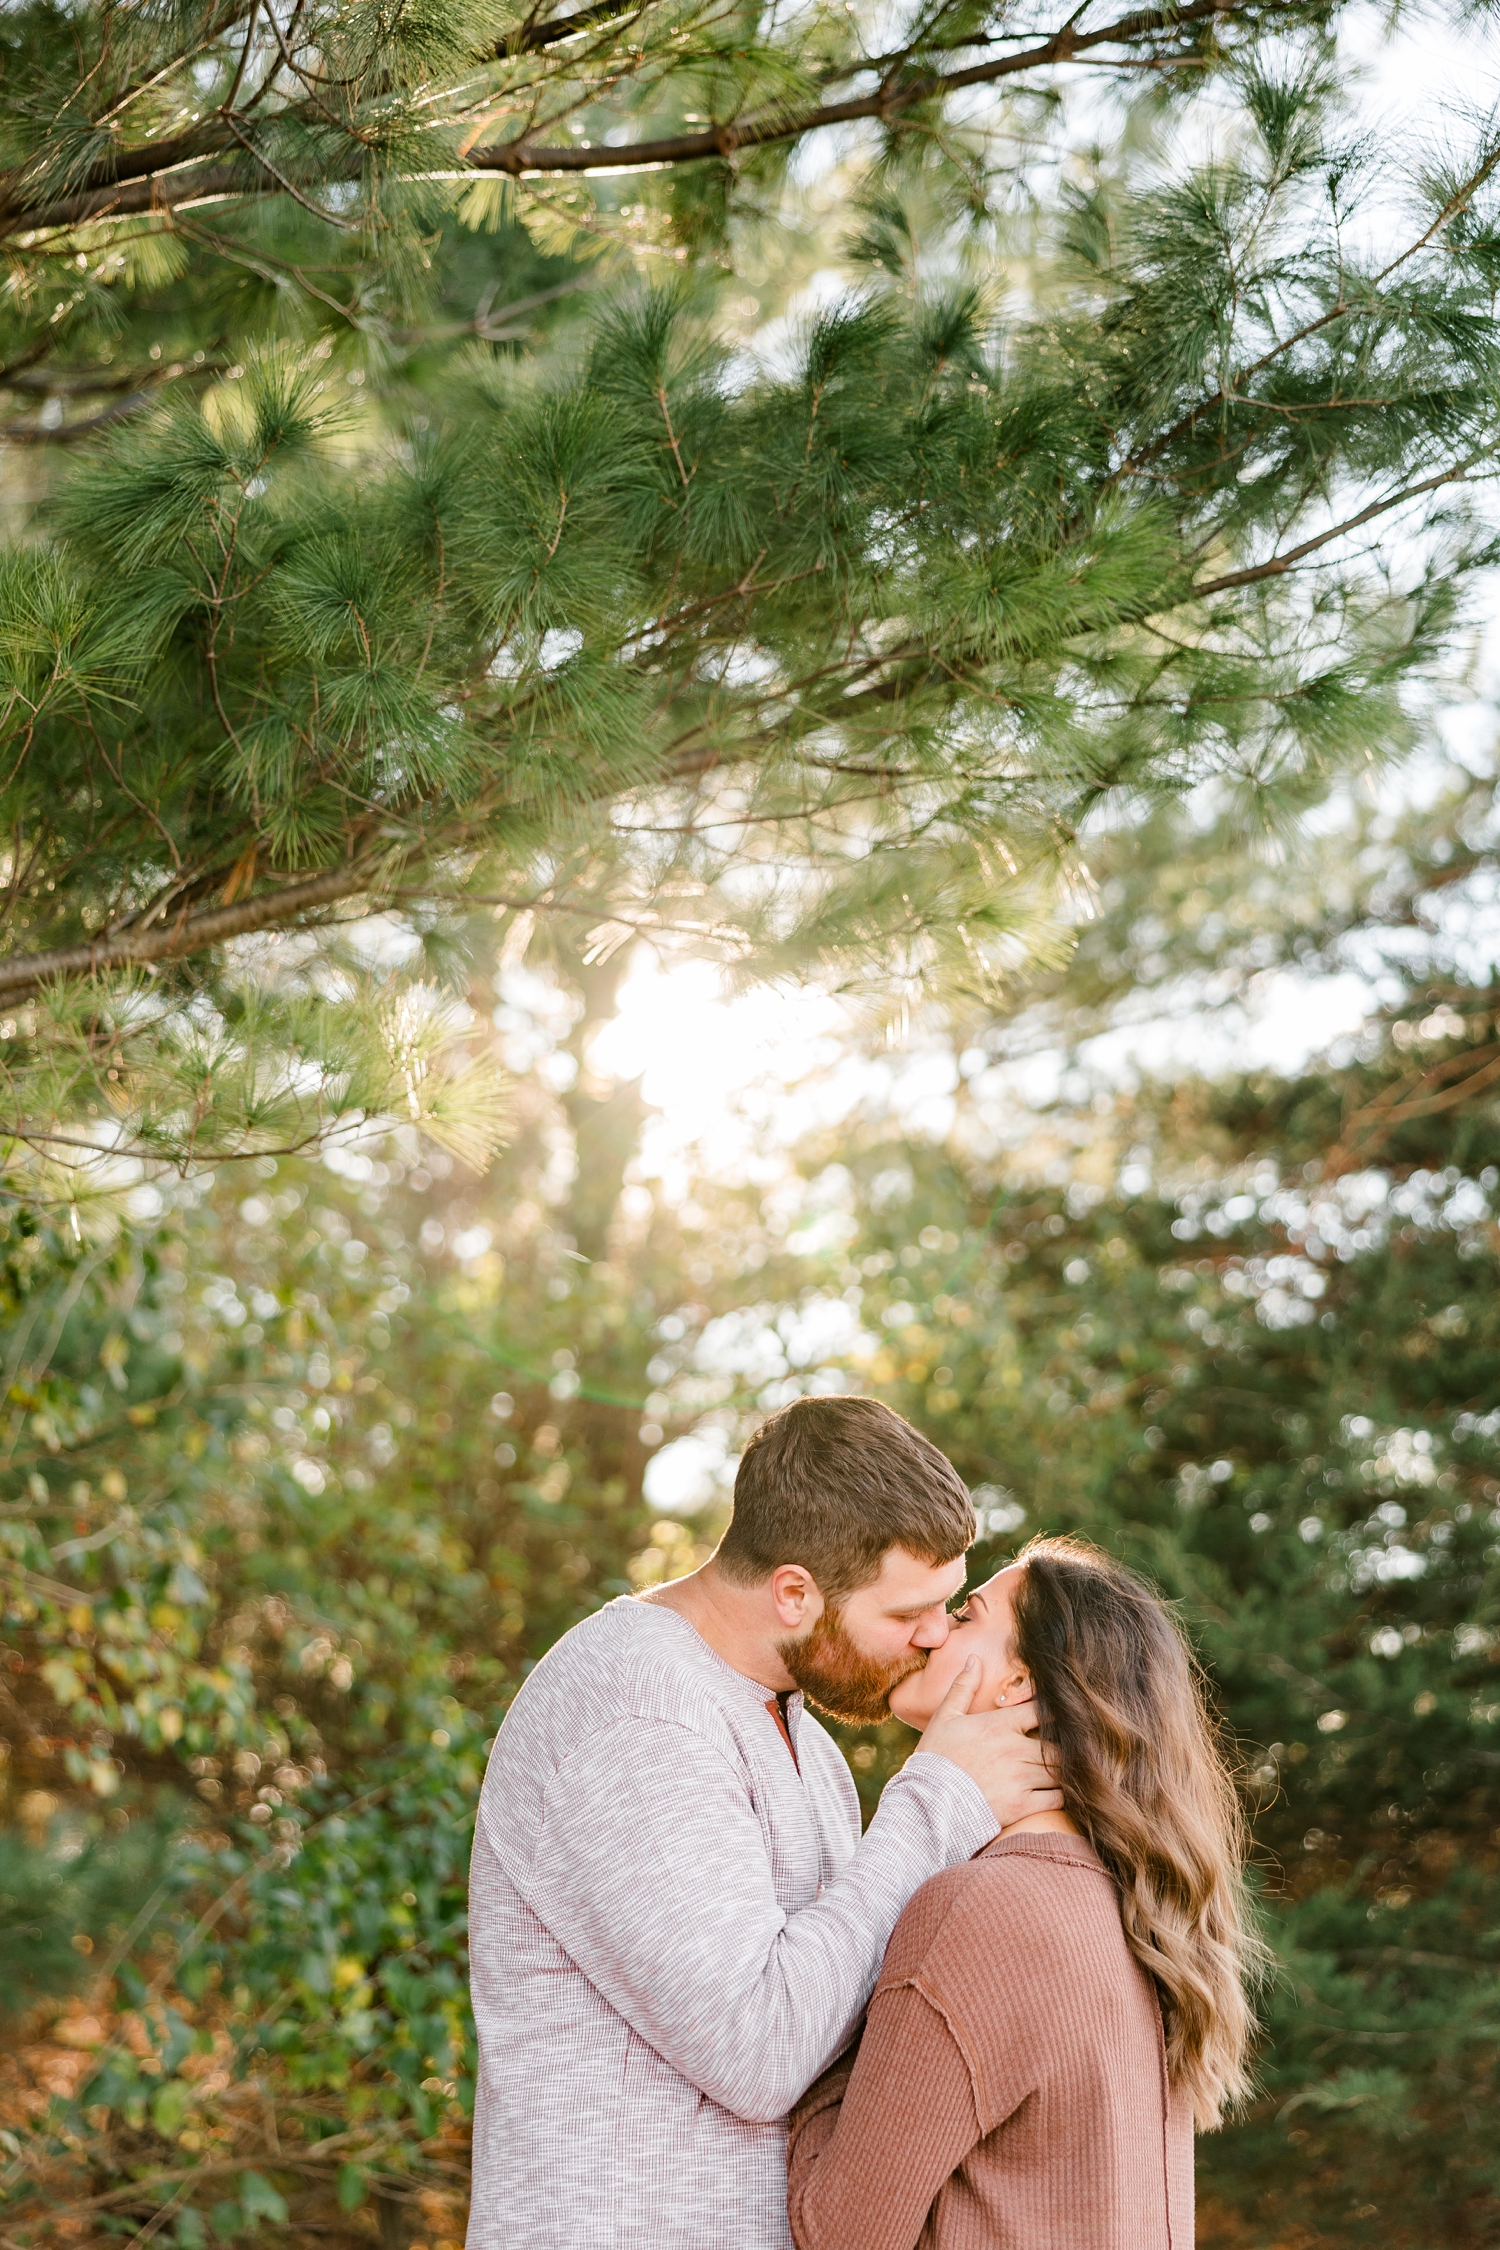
(1123, 1712)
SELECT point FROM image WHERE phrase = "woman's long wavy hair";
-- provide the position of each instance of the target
(1122, 1710)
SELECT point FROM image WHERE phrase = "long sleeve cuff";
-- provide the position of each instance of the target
(957, 1805)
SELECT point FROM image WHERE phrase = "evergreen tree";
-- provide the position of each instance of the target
(821, 666)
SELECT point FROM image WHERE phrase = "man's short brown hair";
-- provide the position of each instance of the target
(833, 1484)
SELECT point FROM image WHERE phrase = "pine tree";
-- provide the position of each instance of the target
(824, 667)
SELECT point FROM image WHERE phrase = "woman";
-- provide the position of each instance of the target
(1053, 2018)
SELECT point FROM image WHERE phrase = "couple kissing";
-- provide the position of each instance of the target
(714, 2016)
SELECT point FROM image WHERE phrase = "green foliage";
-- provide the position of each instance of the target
(373, 122)
(355, 1959)
(317, 1671)
(61, 1902)
(888, 625)
(818, 658)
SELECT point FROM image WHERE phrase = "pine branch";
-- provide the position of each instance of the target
(193, 933)
(1230, 392)
(156, 193)
(345, 226)
(148, 161)
(153, 158)
(519, 157)
(534, 38)
(1365, 1131)
(164, 175)
(939, 621)
(216, 28)
(1259, 572)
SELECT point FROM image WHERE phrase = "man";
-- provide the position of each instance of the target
(675, 1923)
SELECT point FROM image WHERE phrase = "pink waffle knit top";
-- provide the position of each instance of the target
(1010, 2089)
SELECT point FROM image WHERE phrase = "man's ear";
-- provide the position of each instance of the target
(795, 1597)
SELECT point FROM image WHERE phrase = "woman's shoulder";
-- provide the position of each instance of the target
(1020, 1890)
(1018, 1851)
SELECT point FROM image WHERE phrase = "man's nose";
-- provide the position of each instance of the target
(932, 1630)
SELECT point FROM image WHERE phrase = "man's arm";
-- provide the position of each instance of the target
(651, 1871)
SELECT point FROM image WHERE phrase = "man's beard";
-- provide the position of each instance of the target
(839, 1677)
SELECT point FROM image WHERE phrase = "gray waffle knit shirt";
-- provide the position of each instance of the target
(674, 1928)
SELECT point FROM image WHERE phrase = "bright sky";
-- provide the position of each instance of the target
(702, 1052)
(727, 1073)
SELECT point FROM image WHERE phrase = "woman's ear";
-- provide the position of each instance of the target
(1015, 1685)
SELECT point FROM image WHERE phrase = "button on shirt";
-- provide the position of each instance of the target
(674, 1927)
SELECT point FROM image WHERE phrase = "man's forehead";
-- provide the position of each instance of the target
(906, 1577)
